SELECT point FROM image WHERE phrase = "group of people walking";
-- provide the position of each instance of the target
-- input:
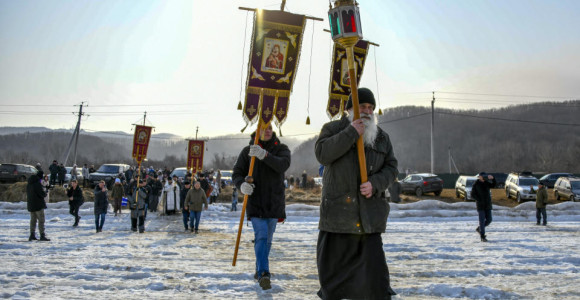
(350, 258)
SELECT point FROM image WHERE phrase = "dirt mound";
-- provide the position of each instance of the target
(17, 192)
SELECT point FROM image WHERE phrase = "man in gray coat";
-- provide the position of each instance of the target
(353, 215)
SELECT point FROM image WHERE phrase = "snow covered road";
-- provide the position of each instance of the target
(432, 250)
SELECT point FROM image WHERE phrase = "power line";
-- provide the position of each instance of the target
(509, 120)
(504, 95)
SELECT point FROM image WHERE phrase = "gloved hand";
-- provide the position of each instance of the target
(247, 188)
(258, 152)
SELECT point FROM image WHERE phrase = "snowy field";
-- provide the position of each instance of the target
(432, 251)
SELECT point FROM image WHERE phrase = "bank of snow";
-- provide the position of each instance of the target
(431, 247)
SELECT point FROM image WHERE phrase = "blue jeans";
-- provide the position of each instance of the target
(263, 233)
(484, 220)
(185, 214)
(98, 224)
(194, 215)
(541, 212)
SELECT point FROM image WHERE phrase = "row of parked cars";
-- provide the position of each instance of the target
(519, 186)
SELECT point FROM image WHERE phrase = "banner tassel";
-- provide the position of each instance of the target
(280, 131)
(244, 127)
(308, 120)
(380, 112)
(240, 105)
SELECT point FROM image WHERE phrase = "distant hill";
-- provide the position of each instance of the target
(515, 138)
(40, 144)
(531, 137)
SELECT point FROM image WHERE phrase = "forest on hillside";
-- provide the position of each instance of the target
(540, 137)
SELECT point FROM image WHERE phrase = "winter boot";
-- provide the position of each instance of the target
(483, 238)
(264, 281)
(196, 231)
(32, 237)
(43, 238)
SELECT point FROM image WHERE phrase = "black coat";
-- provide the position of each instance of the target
(76, 194)
(268, 198)
(182, 195)
(35, 194)
(480, 192)
(101, 201)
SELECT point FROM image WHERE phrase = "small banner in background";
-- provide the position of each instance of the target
(195, 152)
(274, 55)
(141, 142)
(339, 88)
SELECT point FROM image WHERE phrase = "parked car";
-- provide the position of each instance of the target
(463, 187)
(518, 185)
(500, 179)
(16, 172)
(226, 177)
(108, 173)
(422, 183)
(550, 179)
(568, 188)
(180, 173)
(68, 175)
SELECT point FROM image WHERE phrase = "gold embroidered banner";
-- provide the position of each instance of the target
(339, 88)
(195, 152)
(274, 55)
(141, 142)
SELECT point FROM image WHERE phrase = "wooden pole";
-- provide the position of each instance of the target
(355, 105)
(252, 162)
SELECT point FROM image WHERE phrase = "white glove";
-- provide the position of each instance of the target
(247, 188)
(257, 151)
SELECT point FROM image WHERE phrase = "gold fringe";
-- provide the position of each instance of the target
(282, 27)
(267, 92)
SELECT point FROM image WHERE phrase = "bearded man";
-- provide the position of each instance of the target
(353, 215)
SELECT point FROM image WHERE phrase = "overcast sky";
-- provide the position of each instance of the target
(181, 60)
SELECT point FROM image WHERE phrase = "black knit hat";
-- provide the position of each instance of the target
(364, 96)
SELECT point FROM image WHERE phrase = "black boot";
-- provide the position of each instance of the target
(43, 238)
(483, 238)
(32, 237)
(477, 229)
(264, 281)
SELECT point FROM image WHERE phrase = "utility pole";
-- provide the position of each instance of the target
(432, 130)
(74, 137)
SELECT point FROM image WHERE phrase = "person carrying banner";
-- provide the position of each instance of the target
(266, 201)
(137, 206)
(350, 257)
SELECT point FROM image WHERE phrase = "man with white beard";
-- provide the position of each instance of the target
(349, 254)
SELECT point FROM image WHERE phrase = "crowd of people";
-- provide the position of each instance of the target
(350, 256)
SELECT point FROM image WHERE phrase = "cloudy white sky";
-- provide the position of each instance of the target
(183, 61)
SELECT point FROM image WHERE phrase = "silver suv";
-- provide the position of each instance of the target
(518, 185)
(568, 188)
(463, 187)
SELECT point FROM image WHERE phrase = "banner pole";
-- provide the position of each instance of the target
(252, 162)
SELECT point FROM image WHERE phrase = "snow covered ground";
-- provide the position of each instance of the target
(432, 250)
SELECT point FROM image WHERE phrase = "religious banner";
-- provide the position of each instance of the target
(274, 54)
(141, 142)
(195, 156)
(339, 88)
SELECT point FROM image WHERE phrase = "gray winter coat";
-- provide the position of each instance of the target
(138, 208)
(101, 201)
(343, 208)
